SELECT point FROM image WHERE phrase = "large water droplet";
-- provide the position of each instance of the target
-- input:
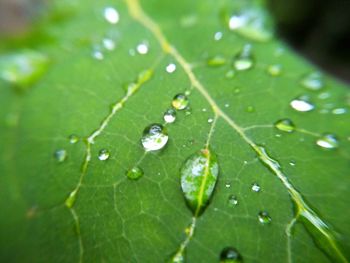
(180, 101)
(328, 141)
(60, 155)
(285, 125)
(230, 255)
(312, 81)
(169, 116)
(134, 173)
(23, 68)
(252, 23)
(244, 59)
(264, 218)
(73, 138)
(103, 155)
(111, 15)
(255, 187)
(302, 104)
(154, 137)
(198, 179)
(232, 200)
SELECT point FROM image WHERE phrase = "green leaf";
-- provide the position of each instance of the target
(73, 145)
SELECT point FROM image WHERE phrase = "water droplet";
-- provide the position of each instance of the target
(210, 120)
(324, 95)
(227, 184)
(23, 68)
(218, 36)
(232, 200)
(60, 155)
(108, 43)
(252, 23)
(111, 15)
(264, 218)
(154, 137)
(274, 70)
(226, 105)
(216, 61)
(285, 125)
(302, 104)
(328, 141)
(134, 173)
(339, 111)
(180, 101)
(256, 188)
(236, 90)
(230, 255)
(169, 116)
(250, 109)
(198, 179)
(97, 53)
(170, 68)
(73, 139)
(103, 155)
(292, 163)
(312, 81)
(142, 48)
(244, 59)
(230, 74)
(178, 258)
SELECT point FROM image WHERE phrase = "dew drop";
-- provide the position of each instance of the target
(230, 255)
(218, 36)
(328, 141)
(250, 109)
(216, 61)
(274, 70)
(170, 68)
(154, 137)
(210, 120)
(97, 54)
(111, 15)
(312, 81)
(264, 218)
(180, 101)
(227, 184)
(256, 188)
(232, 200)
(339, 111)
(302, 104)
(60, 155)
(108, 44)
(227, 105)
(103, 155)
(169, 116)
(134, 173)
(142, 48)
(244, 59)
(73, 138)
(285, 125)
(292, 163)
(230, 74)
(252, 23)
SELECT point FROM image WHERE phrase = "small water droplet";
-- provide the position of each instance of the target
(180, 101)
(244, 59)
(256, 188)
(216, 61)
(108, 43)
(285, 125)
(73, 138)
(134, 173)
(324, 95)
(302, 104)
(60, 155)
(230, 74)
(339, 111)
(250, 109)
(292, 163)
(103, 155)
(218, 36)
(111, 15)
(274, 70)
(230, 255)
(154, 137)
(97, 53)
(252, 23)
(226, 105)
(264, 218)
(170, 68)
(169, 116)
(232, 200)
(236, 90)
(210, 120)
(227, 184)
(328, 141)
(312, 81)
(142, 48)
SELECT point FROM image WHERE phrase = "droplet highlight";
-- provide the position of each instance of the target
(328, 141)
(256, 188)
(111, 15)
(285, 125)
(302, 104)
(73, 138)
(264, 218)
(244, 59)
(232, 200)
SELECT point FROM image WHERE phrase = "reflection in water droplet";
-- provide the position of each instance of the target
(111, 15)
(230, 255)
(142, 48)
(154, 137)
(169, 116)
(244, 59)
(103, 155)
(216, 61)
(218, 36)
(256, 188)
(252, 23)
(170, 68)
(328, 141)
(302, 104)
(264, 218)
(232, 200)
(134, 173)
(312, 81)
(180, 101)
(108, 43)
(274, 70)
(73, 139)
(285, 125)
(60, 155)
